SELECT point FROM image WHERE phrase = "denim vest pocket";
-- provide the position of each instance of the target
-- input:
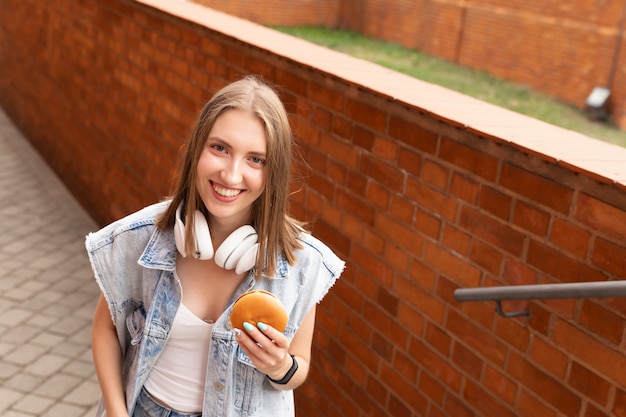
(248, 385)
(135, 323)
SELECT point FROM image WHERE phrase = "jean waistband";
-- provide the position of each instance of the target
(152, 408)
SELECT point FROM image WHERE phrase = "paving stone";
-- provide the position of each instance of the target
(24, 382)
(47, 301)
(85, 394)
(8, 397)
(24, 355)
(33, 404)
(64, 410)
(14, 317)
(57, 386)
(46, 365)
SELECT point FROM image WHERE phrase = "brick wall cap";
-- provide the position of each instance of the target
(599, 160)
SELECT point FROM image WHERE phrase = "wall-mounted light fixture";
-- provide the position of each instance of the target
(596, 103)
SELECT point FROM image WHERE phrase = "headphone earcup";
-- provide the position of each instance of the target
(179, 232)
(204, 246)
(247, 260)
(230, 252)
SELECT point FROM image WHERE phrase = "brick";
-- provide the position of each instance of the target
(423, 275)
(476, 338)
(410, 318)
(495, 202)
(531, 218)
(322, 118)
(326, 96)
(531, 406)
(339, 150)
(570, 237)
(431, 388)
(452, 266)
(468, 159)
(588, 383)
(410, 161)
(467, 361)
(357, 182)
(464, 188)
(548, 357)
(369, 264)
(385, 148)
(492, 231)
(336, 171)
(431, 199)
(619, 406)
(399, 233)
(441, 370)
(385, 324)
(330, 235)
(428, 224)
(363, 138)
(435, 174)
(601, 217)
(413, 135)
(602, 321)
(418, 299)
(397, 258)
(384, 347)
(322, 185)
(610, 257)
(500, 385)
(290, 81)
(355, 206)
(359, 350)
(592, 411)
(438, 338)
(342, 127)
(378, 195)
(559, 265)
(485, 402)
(455, 406)
(455, 239)
(406, 366)
(396, 407)
(486, 256)
(536, 188)
(597, 356)
(383, 173)
(388, 301)
(406, 390)
(402, 209)
(518, 273)
(543, 385)
(512, 332)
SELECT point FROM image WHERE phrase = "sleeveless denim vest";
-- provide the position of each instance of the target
(133, 263)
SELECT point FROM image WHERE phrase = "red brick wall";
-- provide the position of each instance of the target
(562, 48)
(420, 189)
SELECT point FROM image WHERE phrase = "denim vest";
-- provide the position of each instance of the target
(134, 262)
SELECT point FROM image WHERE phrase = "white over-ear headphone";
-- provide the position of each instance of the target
(238, 251)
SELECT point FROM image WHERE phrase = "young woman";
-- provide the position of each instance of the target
(163, 344)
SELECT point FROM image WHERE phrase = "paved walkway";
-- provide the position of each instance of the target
(47, 293)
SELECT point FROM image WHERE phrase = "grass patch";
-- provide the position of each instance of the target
(468, 81)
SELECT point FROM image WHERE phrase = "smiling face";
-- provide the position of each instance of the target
(231, 169)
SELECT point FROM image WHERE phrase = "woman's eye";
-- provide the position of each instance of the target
(219, 148)
(257, 161)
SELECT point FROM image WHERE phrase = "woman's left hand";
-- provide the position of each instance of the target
(266, 347)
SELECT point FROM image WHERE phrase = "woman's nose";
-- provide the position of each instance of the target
(232, 173)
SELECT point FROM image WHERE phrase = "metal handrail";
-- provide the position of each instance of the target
(602, 289)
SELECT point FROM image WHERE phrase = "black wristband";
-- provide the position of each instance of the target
(290, 373)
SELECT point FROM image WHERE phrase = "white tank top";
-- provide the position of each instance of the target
(177, 379)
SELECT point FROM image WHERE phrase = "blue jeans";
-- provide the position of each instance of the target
(148, 407)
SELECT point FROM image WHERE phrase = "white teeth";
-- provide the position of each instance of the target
(225, 192)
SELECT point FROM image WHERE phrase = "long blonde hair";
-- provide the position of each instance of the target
(277, 231)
